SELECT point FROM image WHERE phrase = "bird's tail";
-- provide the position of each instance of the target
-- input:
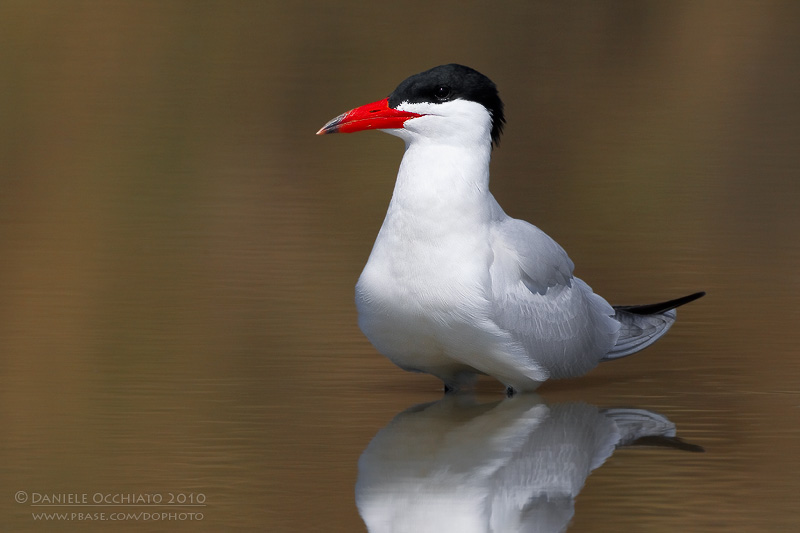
(642, 325)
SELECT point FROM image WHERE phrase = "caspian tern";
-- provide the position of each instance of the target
(455, 287)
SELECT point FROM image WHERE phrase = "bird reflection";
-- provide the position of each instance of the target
(514, 465)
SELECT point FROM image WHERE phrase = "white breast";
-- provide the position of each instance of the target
(428, 274)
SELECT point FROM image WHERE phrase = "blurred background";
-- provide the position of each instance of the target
(178, 250)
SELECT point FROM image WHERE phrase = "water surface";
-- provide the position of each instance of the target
(178, 250)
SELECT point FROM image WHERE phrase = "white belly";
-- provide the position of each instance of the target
(421, 304)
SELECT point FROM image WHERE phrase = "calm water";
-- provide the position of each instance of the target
(178, 253)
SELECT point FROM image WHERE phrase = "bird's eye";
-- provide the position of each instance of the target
(442, 92)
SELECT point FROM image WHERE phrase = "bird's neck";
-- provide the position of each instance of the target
(435, 180)
(437, 224)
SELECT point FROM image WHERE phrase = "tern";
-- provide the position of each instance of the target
(453, 286)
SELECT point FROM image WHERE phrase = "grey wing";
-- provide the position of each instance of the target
(561, 323)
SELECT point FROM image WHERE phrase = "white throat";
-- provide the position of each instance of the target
(445, 169)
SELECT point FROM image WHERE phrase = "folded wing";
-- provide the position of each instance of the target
(560, 322)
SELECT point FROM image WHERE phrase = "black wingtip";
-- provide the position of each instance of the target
(661, 307)
(668, 442)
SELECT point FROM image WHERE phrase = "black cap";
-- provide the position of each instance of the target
(452, 82)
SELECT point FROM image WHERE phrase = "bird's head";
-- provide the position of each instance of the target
(448, 103)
